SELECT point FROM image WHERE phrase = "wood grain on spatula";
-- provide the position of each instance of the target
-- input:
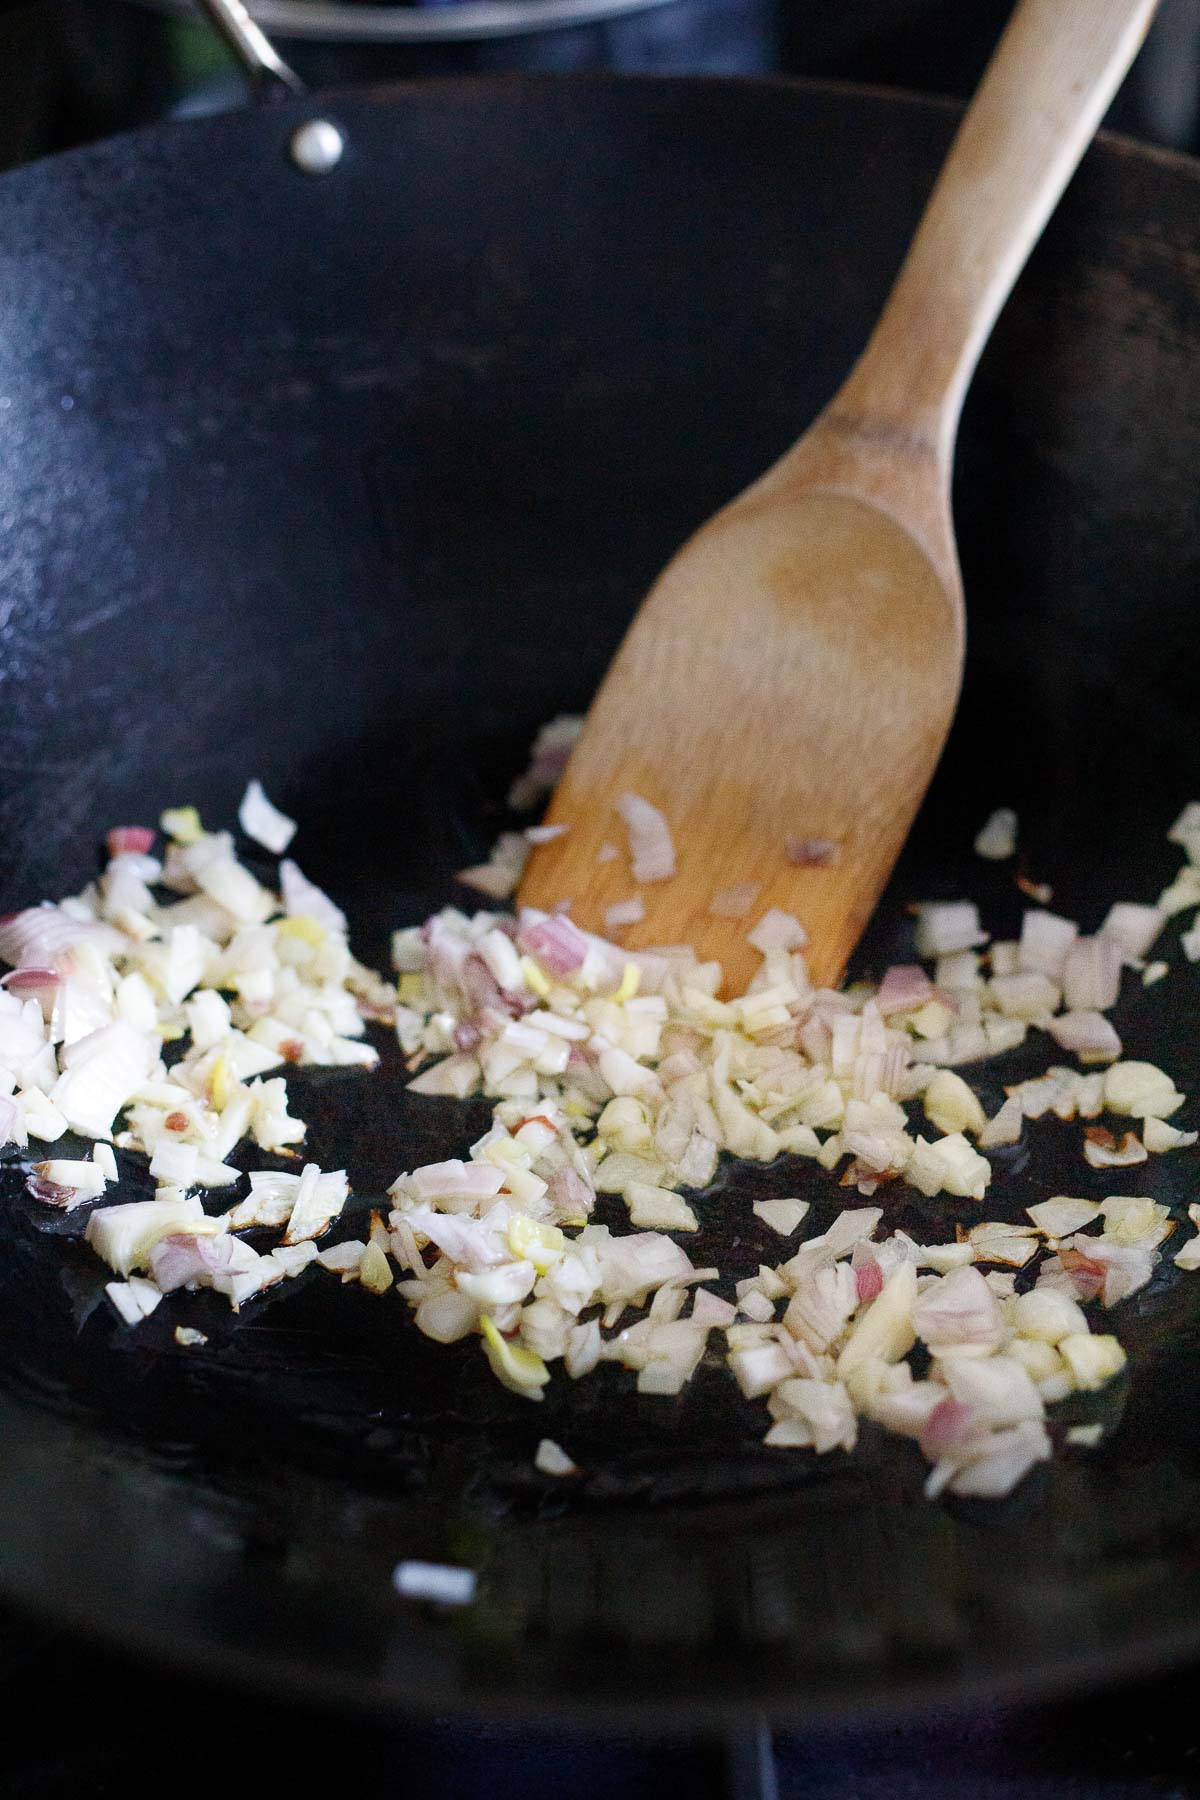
(794, 671)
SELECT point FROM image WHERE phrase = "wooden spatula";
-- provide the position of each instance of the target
(788, 684)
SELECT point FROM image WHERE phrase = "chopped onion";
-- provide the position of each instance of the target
(1091, 975)
(1189, 1256)
(1047, 1316)
(439, 1583)
(950, 1166)
(1133, 928)
(129, 840)
(344, 1259)
(710, 1310)
(734, 902)
(1186, 829)
(997, 1388)
(905, 988)
(456, 1077)
(264, 822)
(1135, 1221)
(556, 943)
(1088, 1034)
(604, 1070)
(1004, 1127)
(758, 1370)
(783, 1216)
(998, 1463)
(102, 1073)
(134, 1299)
(995, 1240)
(318, 1201)
(453, 1186)
(1062, 1215)
(1158, 1137)
(552, 1459)
(78, 1180)
(1103, 1152)
(959, 1312)
(658, 1209)
(1028, 995)
(1045, 944)
(183, 1258)
(997, 839)
(499, 876)
(1141, 1090)
(947, 925)
(650, 846)
(823, 1407)
(174, 1163)
(777, 930)
(125, 1235)
(868, 1279)
(302, 899)
(545, 834)
(40, 937)
(634, 1265)
(1099, 1266)
(950, 1427)
(812, 852)
(1092, 1359)
(623, 912)
(951, 1105)
(42, 985)
(548, 758)
(884, 1329)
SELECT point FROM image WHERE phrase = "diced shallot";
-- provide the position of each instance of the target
(812, 852)
(264, 822)
(555, 942)
(734, 902)
(959, 1312)
(777, 930)
(905, 987)
(997, 839)
(623, 912)
(1046, 941)
(129, 840)
(947, 925)
(39, 937)
(1088, 1035)
(1091, 974)
(650, 846)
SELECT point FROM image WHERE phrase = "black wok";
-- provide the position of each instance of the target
(349, 482)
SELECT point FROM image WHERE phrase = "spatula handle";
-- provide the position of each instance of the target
(1044, 92)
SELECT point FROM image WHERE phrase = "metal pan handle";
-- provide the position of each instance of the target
(269, 76)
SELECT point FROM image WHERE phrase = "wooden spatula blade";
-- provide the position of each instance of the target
(791, 676)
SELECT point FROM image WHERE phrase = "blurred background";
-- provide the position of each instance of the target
(74, 70)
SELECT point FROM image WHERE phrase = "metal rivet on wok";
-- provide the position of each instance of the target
(317, 147)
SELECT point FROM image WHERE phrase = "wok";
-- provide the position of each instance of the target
(286, 464)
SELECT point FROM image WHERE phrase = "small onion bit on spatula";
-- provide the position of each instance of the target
(784, 693)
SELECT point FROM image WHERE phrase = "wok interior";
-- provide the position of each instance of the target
(350, 485)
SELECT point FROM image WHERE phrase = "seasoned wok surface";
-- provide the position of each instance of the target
(304, 517)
